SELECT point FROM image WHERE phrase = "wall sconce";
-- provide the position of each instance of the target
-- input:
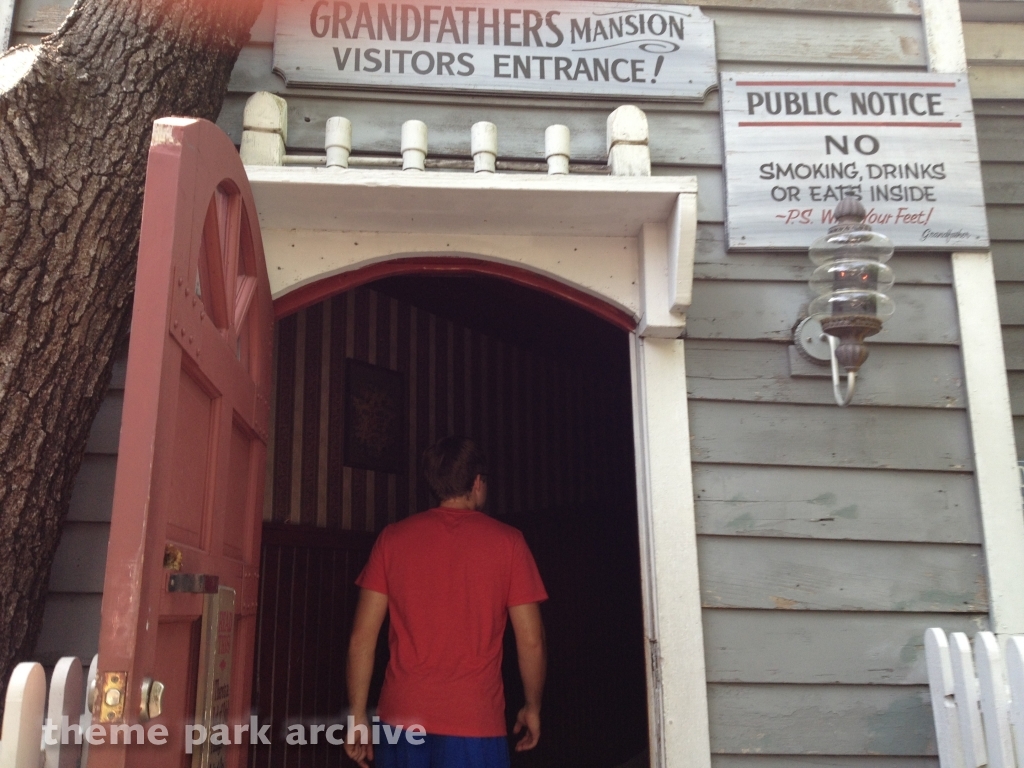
(850, 282)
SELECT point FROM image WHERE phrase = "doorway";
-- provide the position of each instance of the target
(546, 390)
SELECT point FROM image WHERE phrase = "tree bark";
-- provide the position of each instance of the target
(74, 137)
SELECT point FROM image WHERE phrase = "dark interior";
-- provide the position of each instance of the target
(583, 533)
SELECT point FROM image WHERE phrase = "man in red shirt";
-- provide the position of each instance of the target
(450, 577)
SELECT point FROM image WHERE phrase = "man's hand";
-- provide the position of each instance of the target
(360, 747)
(533, 662)
(370, 613)
(527, 720)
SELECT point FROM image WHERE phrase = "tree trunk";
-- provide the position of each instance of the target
(74, 135)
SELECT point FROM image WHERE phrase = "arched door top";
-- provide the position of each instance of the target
(450, 266)
(620, 244)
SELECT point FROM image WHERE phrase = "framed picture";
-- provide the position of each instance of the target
(374, 418)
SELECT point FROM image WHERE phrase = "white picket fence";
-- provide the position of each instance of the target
(977, 699)
(26, 709)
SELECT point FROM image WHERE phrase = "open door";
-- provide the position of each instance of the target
(179, 600)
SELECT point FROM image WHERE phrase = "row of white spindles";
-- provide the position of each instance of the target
(265, 137)
(483, 143)
(977, 699)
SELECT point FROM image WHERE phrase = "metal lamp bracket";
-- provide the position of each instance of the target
(819, 347)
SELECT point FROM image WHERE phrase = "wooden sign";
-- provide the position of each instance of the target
(593, 49)
(904, 144)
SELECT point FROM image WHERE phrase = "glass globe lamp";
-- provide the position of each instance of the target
(851, 280)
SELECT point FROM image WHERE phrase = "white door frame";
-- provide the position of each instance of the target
(627, 241)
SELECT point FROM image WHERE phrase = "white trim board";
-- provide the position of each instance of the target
(6, 23)
(673, 625)
(354, 200)
(988, 394)
(995, 454)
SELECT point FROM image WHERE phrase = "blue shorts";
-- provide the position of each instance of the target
(443, 752)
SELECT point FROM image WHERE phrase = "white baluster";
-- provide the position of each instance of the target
(1015, 677)
(556, 149)
(66, 693)
(995, 705)
(628, 136)
(91, 693)
(338, 142)
(414, 145)
(484, 143)
(264, 130)
(944, 706)
(23, 717)
(965, 683)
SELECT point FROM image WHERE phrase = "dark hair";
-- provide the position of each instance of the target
(451, 465)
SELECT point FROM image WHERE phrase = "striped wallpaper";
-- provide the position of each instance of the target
(543, 423)
(557, 430)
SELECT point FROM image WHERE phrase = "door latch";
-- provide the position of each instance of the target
(151, 701)
(112, 694)
(92, 693)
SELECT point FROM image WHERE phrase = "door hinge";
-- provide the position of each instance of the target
(655, 657)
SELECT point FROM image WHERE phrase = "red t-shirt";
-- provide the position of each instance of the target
(450, 576)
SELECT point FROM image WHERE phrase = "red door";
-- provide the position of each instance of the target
(179, 600)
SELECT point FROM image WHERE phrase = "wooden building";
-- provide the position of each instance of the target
(824, 540)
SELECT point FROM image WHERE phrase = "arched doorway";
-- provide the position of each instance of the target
(545, 387)
(625, 243)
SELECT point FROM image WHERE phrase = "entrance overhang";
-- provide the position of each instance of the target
(626, 240)
(622, 246)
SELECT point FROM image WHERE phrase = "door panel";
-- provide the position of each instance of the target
(177, 653)
(239, 503)
(189, 486)
(193, 441)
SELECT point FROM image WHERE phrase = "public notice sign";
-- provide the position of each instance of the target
(904, 144)
(590, 49)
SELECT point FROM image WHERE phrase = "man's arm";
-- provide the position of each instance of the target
(533, 667)
(370, 613)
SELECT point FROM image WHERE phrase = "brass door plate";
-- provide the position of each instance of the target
(112, 695)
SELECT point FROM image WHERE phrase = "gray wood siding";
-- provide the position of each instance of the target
(801, 507)
(71, 618)
(838, 647)
(760, 310)
(744, 371)
(994, 39)
(885, 720)
(797, 435)
(805, 510)
(829, 539)
(848, 504)
(802, 574)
